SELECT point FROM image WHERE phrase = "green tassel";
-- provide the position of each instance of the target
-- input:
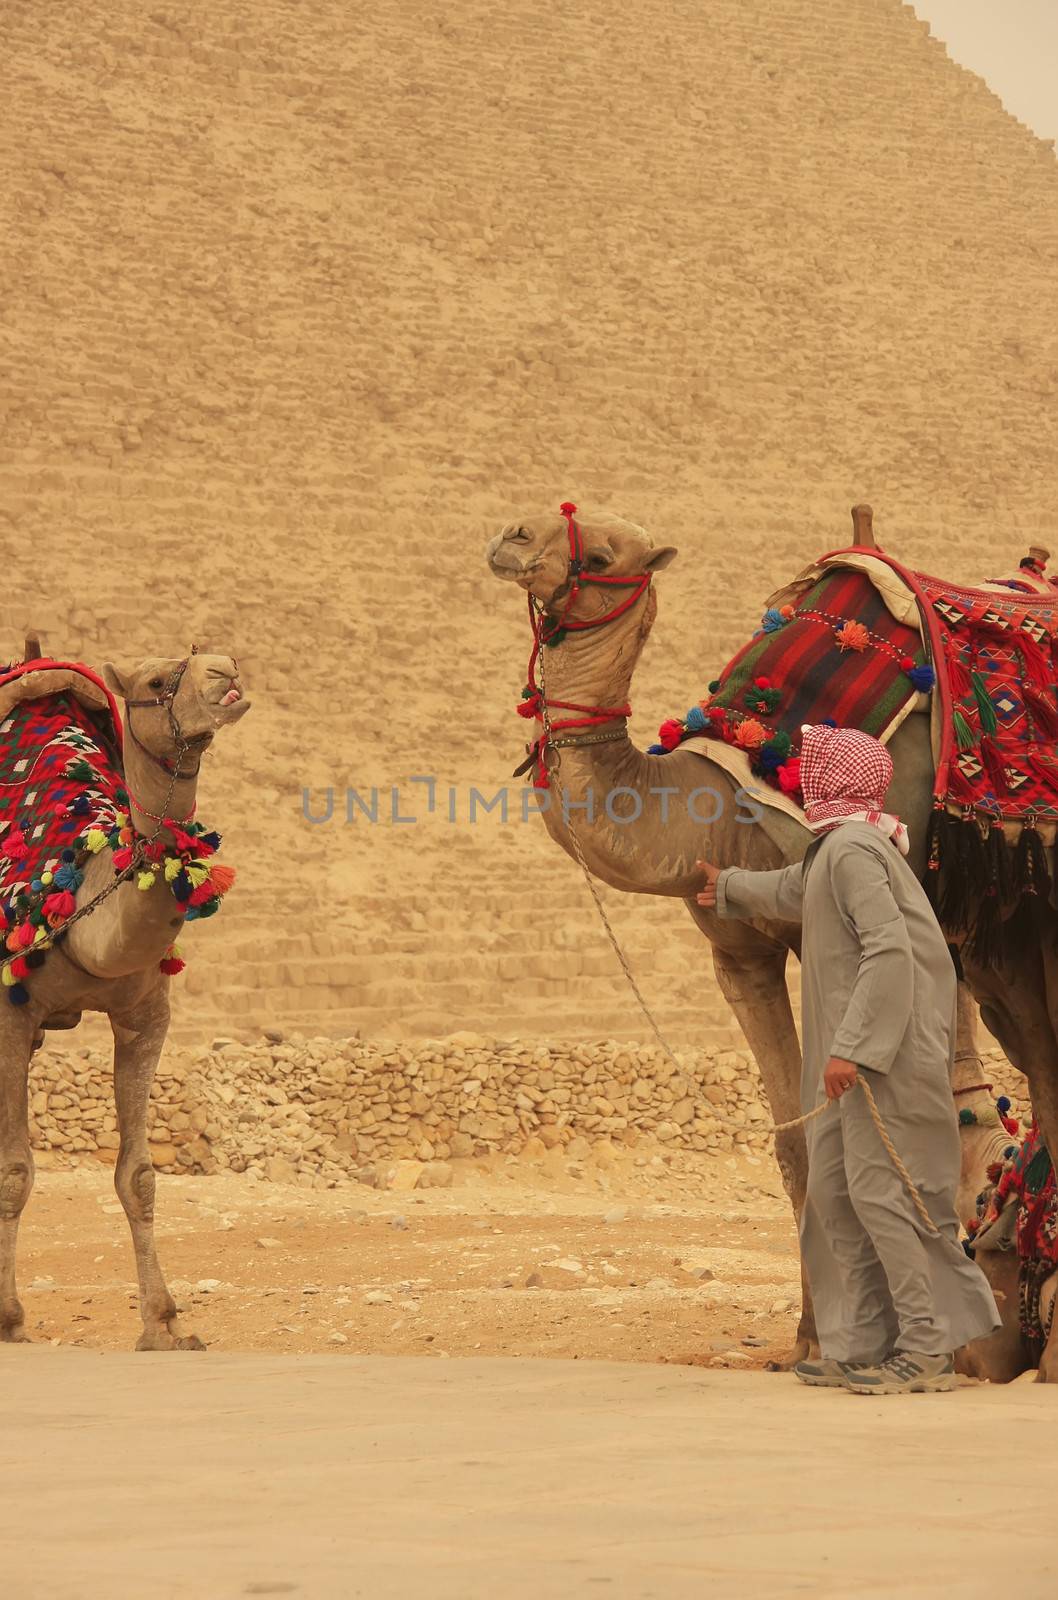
(984, 703)
(81, 771)
(965, 737)
(1038, 1171)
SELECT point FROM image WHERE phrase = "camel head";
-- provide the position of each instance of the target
(165, 695)
(534, 552)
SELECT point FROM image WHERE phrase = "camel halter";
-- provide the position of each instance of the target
(550, 631)
(166, 699)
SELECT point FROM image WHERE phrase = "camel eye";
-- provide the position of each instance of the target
(156, 683)
(598, 562)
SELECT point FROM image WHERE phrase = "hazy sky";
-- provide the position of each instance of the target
(1012, 44)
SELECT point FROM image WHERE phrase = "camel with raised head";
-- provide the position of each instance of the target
(109, 961)
(686, 807)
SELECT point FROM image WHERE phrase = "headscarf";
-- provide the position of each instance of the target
(844, 778)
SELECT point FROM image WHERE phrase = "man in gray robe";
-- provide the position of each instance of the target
(892, 1301)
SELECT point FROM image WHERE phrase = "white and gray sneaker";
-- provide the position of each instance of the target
(905, 1372)
(824, 1373)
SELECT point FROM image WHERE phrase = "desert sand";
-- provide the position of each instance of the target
(413, 1478)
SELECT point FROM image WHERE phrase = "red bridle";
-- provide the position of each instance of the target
(533, 700)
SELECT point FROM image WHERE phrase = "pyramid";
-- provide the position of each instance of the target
(302, 302)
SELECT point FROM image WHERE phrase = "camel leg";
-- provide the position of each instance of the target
(16, 1163)
(753, 982)
(1048, 1372)
(138, 1045)
(1001, 1357)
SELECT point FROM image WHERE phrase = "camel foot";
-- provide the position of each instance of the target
(164, 1339)
(803, 1350)
(15, 1334)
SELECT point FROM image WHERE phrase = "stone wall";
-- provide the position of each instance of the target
(319, 1111)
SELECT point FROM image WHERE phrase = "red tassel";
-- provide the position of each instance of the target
(221, 878)
(122, 858)
(994, 765)
(59, 905)
(14, 846)
(19, 967)
(1037, 665)
(171, 965)
(530, 707)
(1043, 711)
(1045, 767)
(959, 679)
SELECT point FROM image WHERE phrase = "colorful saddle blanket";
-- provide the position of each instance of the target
(60, 769)
(836, 654)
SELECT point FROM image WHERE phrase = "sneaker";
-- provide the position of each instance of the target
(824, 1373)
(905, 1372)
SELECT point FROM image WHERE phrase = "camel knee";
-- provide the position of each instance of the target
(135, 1185)
(16, 1181)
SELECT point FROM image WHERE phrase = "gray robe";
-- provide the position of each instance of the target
(877, 988)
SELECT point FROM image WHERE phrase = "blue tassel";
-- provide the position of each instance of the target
(1003, 1105)
(68, 878)
(36, 886)
(772, 619)
(652, 750)
(923, 677)
(81, 806)
(182, 886)
(212, 838)
(827, 722)
(34, 958)
(696, 720)
(69, 855)
(18, 994)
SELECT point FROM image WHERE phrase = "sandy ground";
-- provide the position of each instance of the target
(314, 1476)
(523, 1258)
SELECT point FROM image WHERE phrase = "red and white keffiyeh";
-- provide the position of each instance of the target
(844, 778)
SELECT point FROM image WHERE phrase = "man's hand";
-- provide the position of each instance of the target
(839, 1076)
(707, 897)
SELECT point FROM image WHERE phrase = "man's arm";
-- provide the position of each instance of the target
(734, 892)
(879, 1007)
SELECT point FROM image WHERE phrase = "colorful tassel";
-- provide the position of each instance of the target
(695, 720)
(95, 840)
(18, 994)
(222, 877)
(145, 880)
(852, 636)
(123, 858)
(923, 677)
(1043, 711)
(965, 737)
(986, 710)
(789, 775)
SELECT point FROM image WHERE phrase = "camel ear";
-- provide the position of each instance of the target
(114, 682)
(661, 557)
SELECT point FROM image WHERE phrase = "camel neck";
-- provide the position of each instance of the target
(153, 796)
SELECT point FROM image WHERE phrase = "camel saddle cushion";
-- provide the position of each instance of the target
(60, 776)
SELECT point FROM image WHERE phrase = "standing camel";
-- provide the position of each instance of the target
(109, 961)
(601, 592)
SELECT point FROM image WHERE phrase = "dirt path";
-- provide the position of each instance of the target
(331, 1478)
(522, 1259)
